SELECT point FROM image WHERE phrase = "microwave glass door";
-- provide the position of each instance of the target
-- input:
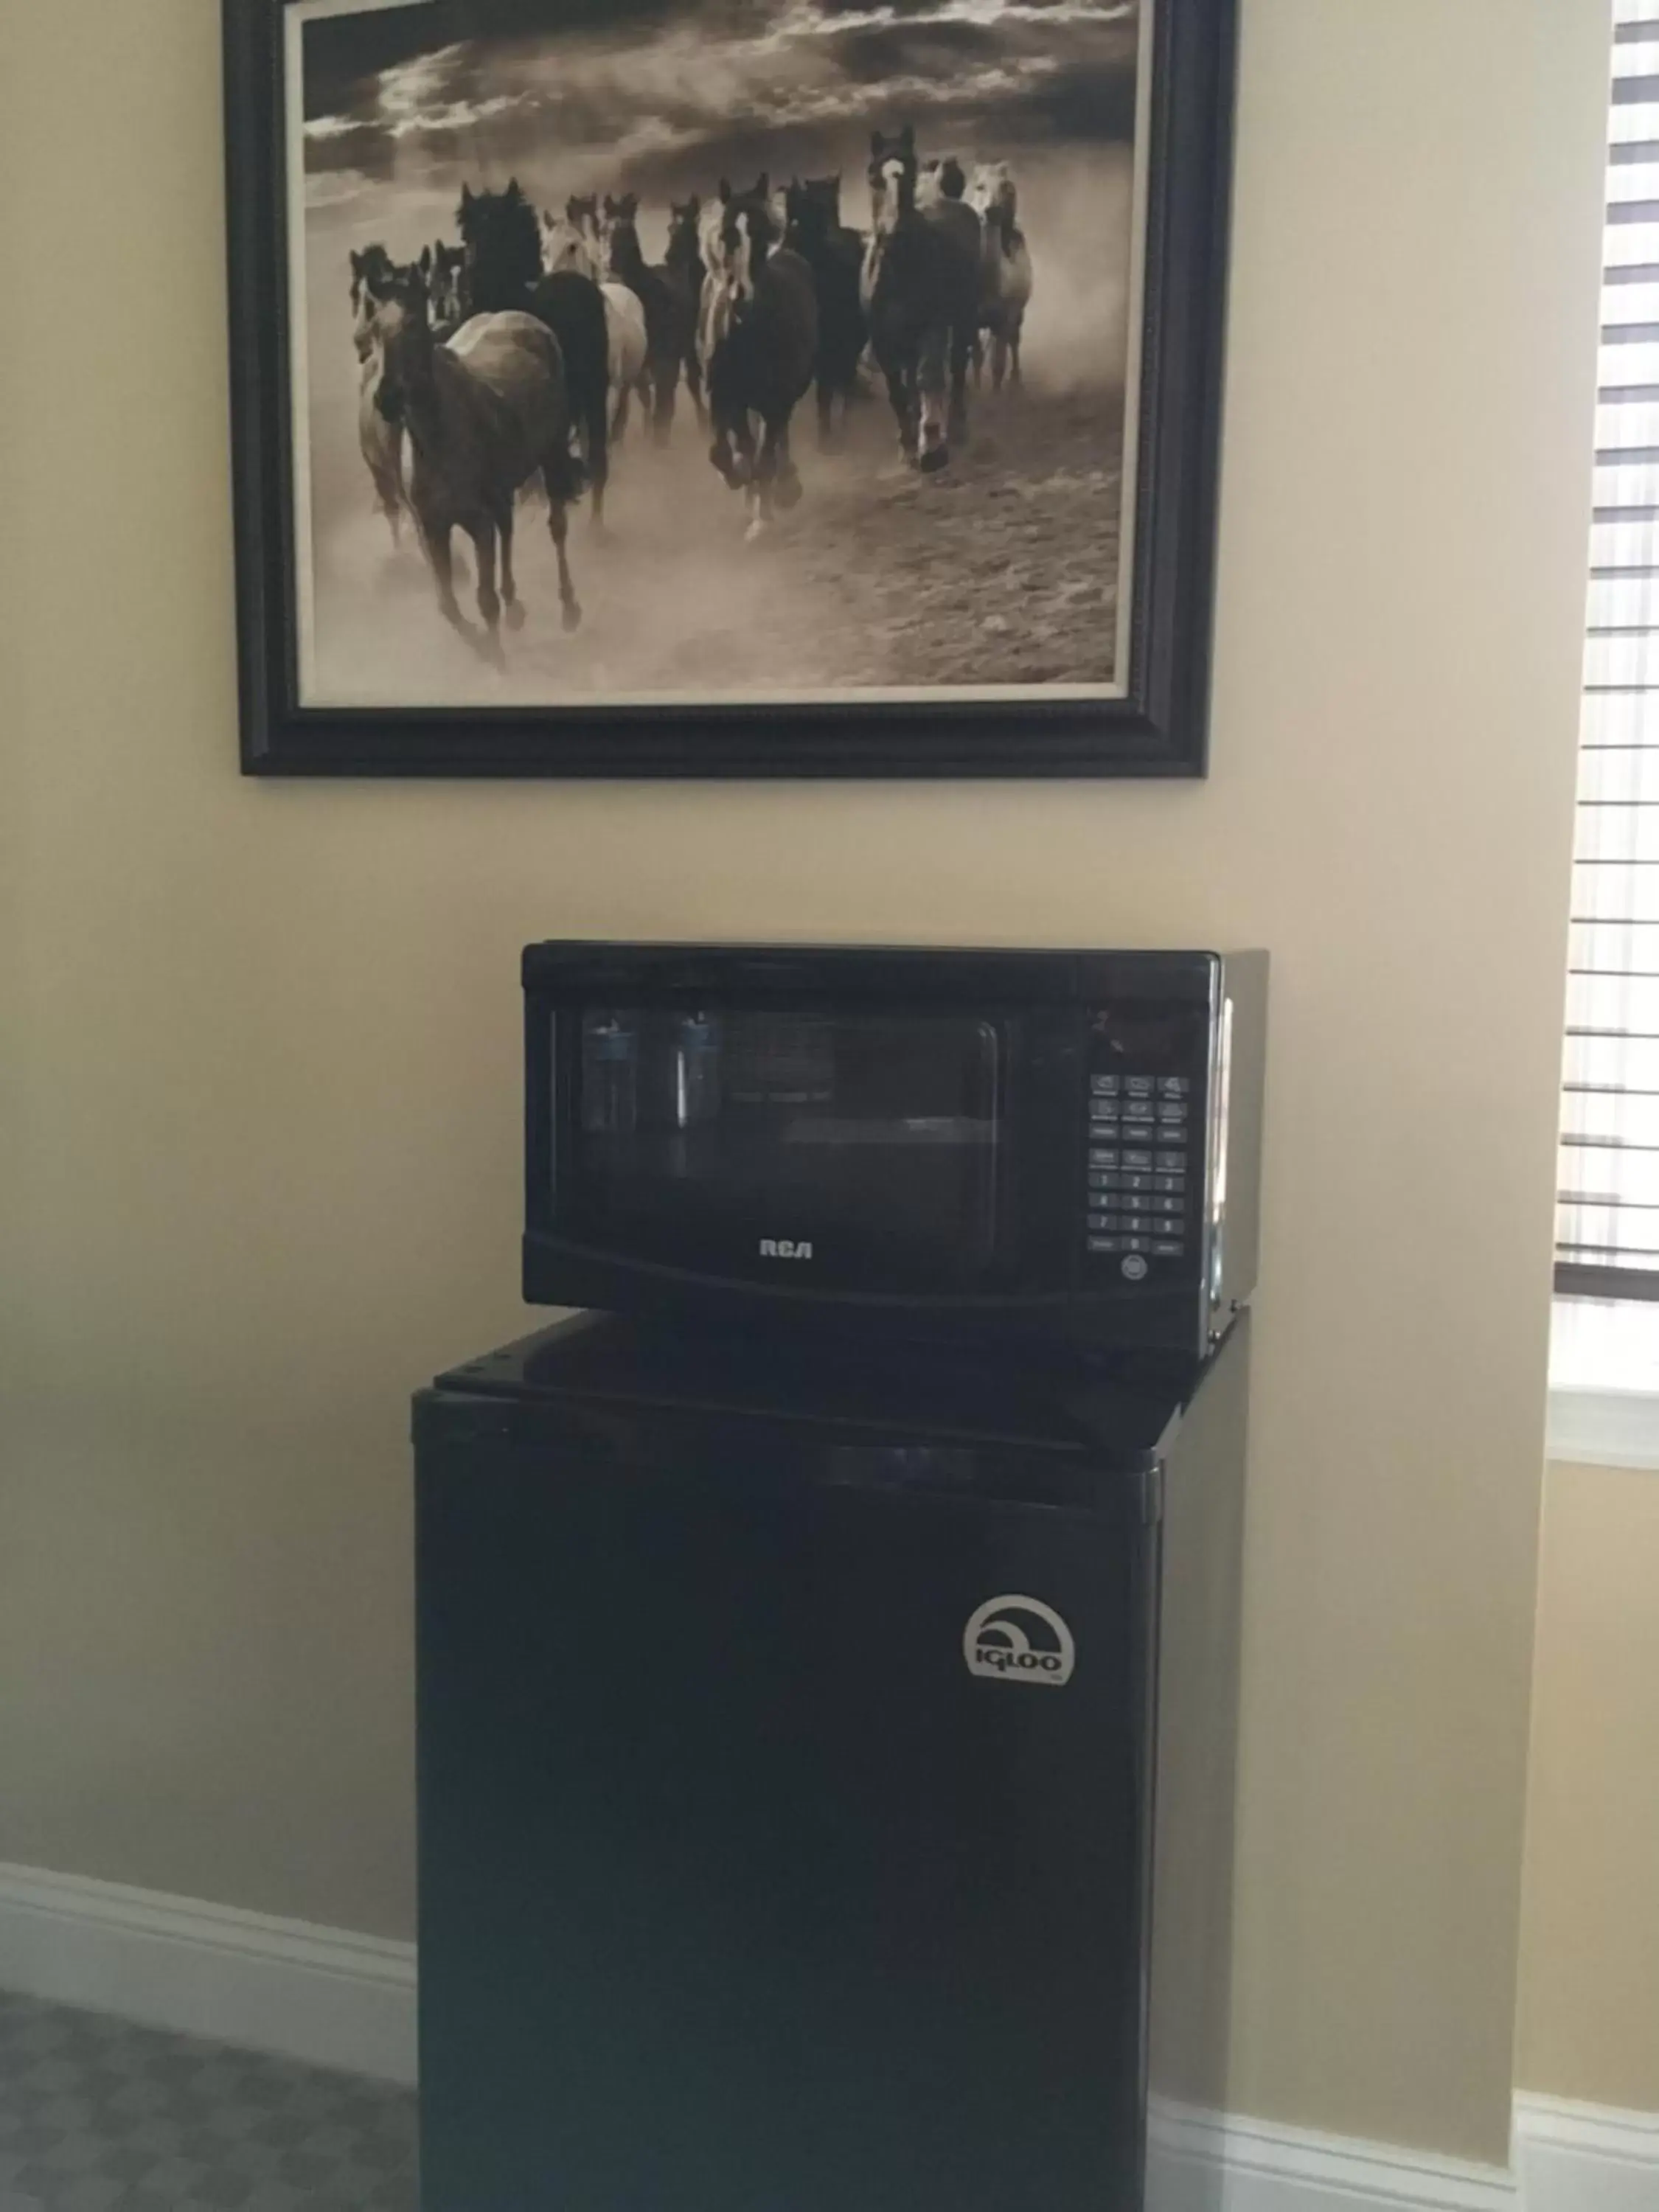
(726, 1142)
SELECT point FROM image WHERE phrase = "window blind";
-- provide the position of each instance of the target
(1607, 1221)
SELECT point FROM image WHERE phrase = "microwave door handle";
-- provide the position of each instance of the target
(1215, 1177)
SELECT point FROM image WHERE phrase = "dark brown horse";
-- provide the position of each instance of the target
(683, 269)
(920, 291)
(670, 309)
(764, 359)
(502, 240)
(834, 255)
(484, 415)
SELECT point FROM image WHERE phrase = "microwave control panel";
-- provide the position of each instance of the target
(1145, 1175)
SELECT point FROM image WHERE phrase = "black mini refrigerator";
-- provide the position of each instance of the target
(826, 1774)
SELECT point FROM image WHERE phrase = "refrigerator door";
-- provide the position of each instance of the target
(765, 1864)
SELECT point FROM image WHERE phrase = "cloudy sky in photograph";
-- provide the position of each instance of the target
(658, 88)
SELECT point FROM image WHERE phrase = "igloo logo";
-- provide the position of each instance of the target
(1019, 1639)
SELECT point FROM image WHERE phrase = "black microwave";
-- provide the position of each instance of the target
(904, 1140)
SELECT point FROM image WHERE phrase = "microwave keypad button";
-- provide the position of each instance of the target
(1172, 1109)
(1164, 1247)
(1136, 1159)
(1167, 1182)
(1103, 1156)
(1139, 1086)
(1107, 1244)
(1131, 1181)
(1166, 1205)
(1103, 1177)
(1103, 1086)
(1103, 1110)
(1174, 1086)
(1170, 1163)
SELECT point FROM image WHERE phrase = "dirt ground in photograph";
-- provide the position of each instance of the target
(1000, 570)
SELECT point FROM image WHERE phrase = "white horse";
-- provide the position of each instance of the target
(625, 334)
(1006, 272)
(381, 441)
(720, 283)
(576, 241)
(572, 241)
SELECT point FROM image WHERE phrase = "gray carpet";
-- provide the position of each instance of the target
(97, 2116)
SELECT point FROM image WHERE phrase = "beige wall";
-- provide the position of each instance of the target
(266, 1161)
(1590, 1980)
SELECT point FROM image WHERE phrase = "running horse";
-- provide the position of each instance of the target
(381, 443)
(714, 314)
(764, 359)
(444, 267)
(504, 275)
(668, 308)
(571, 241)
(1006, 275)
(920, 291)
(834, 255)
(684, 270)
(484, 413)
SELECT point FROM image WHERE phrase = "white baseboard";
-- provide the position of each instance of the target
(1586, 2158)
(346, 2001)
(240, 1978)
(1209, 2162)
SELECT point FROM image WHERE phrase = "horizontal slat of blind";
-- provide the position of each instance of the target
(1627, 1128)
(1607, 1213)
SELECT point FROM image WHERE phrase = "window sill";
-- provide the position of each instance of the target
(1604, 1383)
(1604, 1427)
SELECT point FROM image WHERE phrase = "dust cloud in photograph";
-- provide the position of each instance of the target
(999, 573)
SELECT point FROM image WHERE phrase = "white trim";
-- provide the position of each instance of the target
(1604, 1428)
(1208, 2162)
(1586, 2158)
(346, 2001)
(319, 1994)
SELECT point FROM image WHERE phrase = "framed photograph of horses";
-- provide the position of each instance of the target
(726, 387)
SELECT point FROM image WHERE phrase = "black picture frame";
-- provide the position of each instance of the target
(1158, 729)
